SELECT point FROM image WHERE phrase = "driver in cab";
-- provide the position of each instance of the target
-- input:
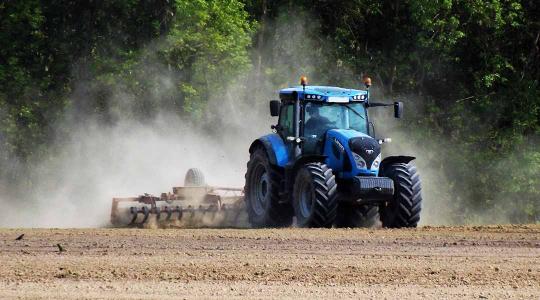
(316, 125)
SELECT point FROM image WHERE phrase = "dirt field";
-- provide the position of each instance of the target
(452, 262)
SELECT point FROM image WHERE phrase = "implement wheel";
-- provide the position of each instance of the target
(352, 215)
(262, 193)
(194, 177)
(314, 196)
(404, 209)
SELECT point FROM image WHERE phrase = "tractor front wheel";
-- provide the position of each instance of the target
(404, 209)
(314, 196)
(262, 193)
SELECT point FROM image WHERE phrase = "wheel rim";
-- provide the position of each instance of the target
(306, 199)
(260, 188)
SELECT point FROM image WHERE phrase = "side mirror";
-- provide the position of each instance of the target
(398, 109)
(275, 105)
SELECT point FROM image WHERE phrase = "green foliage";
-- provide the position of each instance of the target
(205, 42)
(208, 42)
(25, 102)
(100, 61)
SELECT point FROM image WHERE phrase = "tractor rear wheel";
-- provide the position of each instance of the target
(194, 177)
(314, 196)
(262, 193)
(353, 215)
(404, 209)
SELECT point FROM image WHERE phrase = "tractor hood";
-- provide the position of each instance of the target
(367, 147)
(352, 152)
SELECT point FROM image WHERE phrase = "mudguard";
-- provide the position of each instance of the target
(275, 149)
(395, 159)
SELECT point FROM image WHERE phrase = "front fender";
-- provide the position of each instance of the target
(275, 149)
(395, 159)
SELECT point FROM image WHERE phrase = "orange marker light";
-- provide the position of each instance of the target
(303, 80)
(367, 81)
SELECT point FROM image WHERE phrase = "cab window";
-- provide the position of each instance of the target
(320, 117)
(286, 120)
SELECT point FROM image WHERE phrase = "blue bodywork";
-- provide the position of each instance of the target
(279, 149)
(279, 154)
(338, 162)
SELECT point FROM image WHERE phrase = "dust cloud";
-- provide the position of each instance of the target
(129, 159)
(99, 161)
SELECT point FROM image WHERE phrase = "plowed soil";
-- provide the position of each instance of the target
(490, 262)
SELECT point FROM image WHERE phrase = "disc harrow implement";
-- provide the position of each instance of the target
(187, 206)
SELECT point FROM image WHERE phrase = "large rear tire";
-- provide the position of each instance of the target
(404, 209)
(352, 215)
(314, 196)
(194, 177)
(262, 193)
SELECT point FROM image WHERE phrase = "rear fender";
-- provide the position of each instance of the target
(275, 149)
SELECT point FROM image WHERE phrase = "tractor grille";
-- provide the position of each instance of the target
(368, 148)
(373, 187)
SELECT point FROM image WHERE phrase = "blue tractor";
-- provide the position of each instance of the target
(322, 165)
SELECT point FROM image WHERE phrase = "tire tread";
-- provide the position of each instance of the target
(279, 214)
(325, 204)
(408, 188)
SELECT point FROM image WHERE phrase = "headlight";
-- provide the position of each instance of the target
(318, 97)
(376, 162)
(360, 162)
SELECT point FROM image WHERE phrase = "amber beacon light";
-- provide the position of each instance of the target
(367, 81)
(303, 80)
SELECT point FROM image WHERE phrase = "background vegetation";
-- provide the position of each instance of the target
(468, 71)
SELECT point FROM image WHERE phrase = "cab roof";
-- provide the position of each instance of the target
(326, 93)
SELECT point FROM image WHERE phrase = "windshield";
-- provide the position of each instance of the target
(319, 117)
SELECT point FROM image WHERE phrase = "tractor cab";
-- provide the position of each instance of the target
(322, 108)
(333, 123)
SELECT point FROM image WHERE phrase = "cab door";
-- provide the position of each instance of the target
(286, 125)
